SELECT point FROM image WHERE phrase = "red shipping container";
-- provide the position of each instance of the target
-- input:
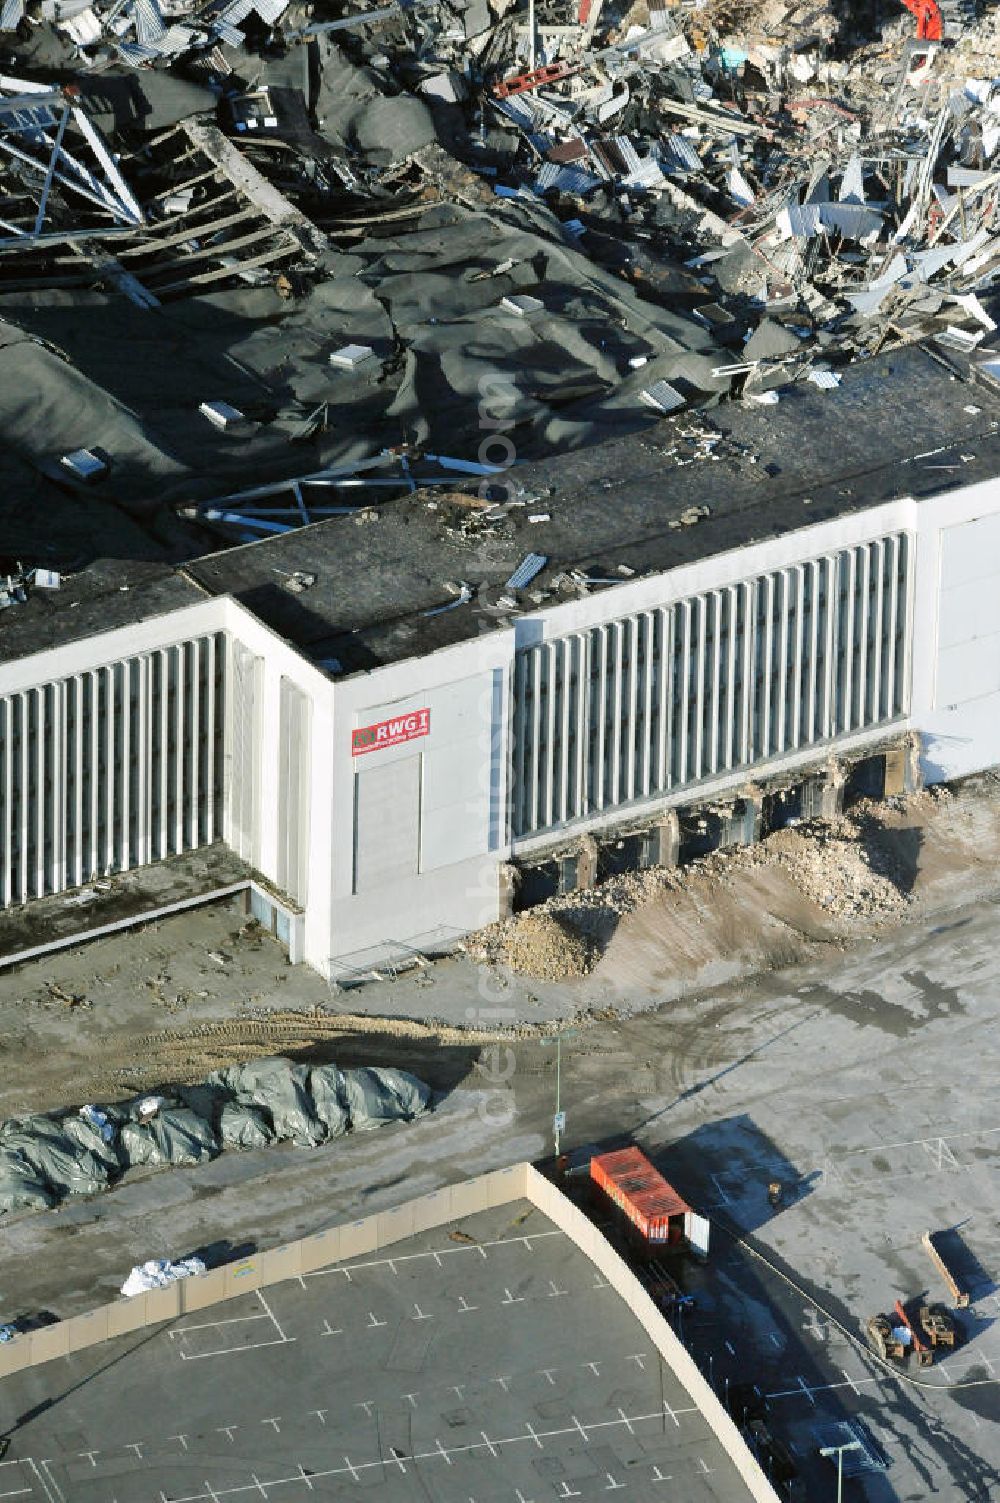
(630, 1181)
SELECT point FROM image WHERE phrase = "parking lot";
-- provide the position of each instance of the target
(868, 1092)
(492, 1363)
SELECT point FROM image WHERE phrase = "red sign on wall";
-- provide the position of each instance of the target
(385, 733)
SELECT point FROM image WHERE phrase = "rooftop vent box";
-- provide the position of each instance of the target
(84, 464)
(221, 414)
(351, 355)
(522, 303)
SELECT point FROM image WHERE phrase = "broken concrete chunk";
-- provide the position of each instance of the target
(770, 341)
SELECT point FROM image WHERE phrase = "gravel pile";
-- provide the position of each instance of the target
(540, 943)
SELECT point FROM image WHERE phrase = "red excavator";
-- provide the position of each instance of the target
(941, 20)
(930, 25)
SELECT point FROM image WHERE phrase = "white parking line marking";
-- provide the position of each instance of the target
(401, 1459)
(270, 1312)
(210, 1325)
(233, 1351)
(49, 1488)
(437, 1254)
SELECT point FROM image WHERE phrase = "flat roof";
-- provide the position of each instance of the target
(110, 593)
(499, 1365)
(897, 425)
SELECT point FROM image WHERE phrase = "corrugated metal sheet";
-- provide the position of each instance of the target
(270, 11)
(520, 109)
(149, 24)
(678, 155)
(11, 13)
(572, 180)
(531, 565)
(748, 672)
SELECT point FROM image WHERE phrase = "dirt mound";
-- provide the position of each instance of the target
(540, 943)
(746, 908)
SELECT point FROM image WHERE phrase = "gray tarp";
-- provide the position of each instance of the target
(65, 1167)
(326, 1086)
(242, 1126)
(235, 1124)
(45, 1158)
(176, 1135)
(282, 1089)
(375, 1096)
(88, 1137)
(21, 1186)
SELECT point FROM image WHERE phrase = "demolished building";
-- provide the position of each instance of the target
(434, 434)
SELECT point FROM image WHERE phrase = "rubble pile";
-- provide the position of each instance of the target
(315, 244)
(853, 869)
(542, 943)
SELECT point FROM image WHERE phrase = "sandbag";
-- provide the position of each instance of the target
(21, 1186)
(65, 1167)
(243, 1126)
(326, 1087)
(380, 1095)
(282, 1089)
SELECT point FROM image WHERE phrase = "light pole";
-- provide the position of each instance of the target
(838, 1451)
(559, 1120)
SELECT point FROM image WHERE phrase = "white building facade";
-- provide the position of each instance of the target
(384, 808)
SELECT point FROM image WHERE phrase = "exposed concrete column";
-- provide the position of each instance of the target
(665, 840)
(823, 793)
(902, 768)
(507, 887)
(744, 824)
(586, 863)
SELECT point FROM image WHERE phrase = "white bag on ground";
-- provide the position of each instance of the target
(158, 1273)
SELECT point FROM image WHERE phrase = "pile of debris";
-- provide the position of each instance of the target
(541, 943)
(857, 870)
(47, 1157)
(353, 232)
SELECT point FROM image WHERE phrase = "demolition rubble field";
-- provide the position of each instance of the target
(272, 244)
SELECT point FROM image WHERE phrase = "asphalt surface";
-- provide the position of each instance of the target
(502, 1369)
(866, 1084)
